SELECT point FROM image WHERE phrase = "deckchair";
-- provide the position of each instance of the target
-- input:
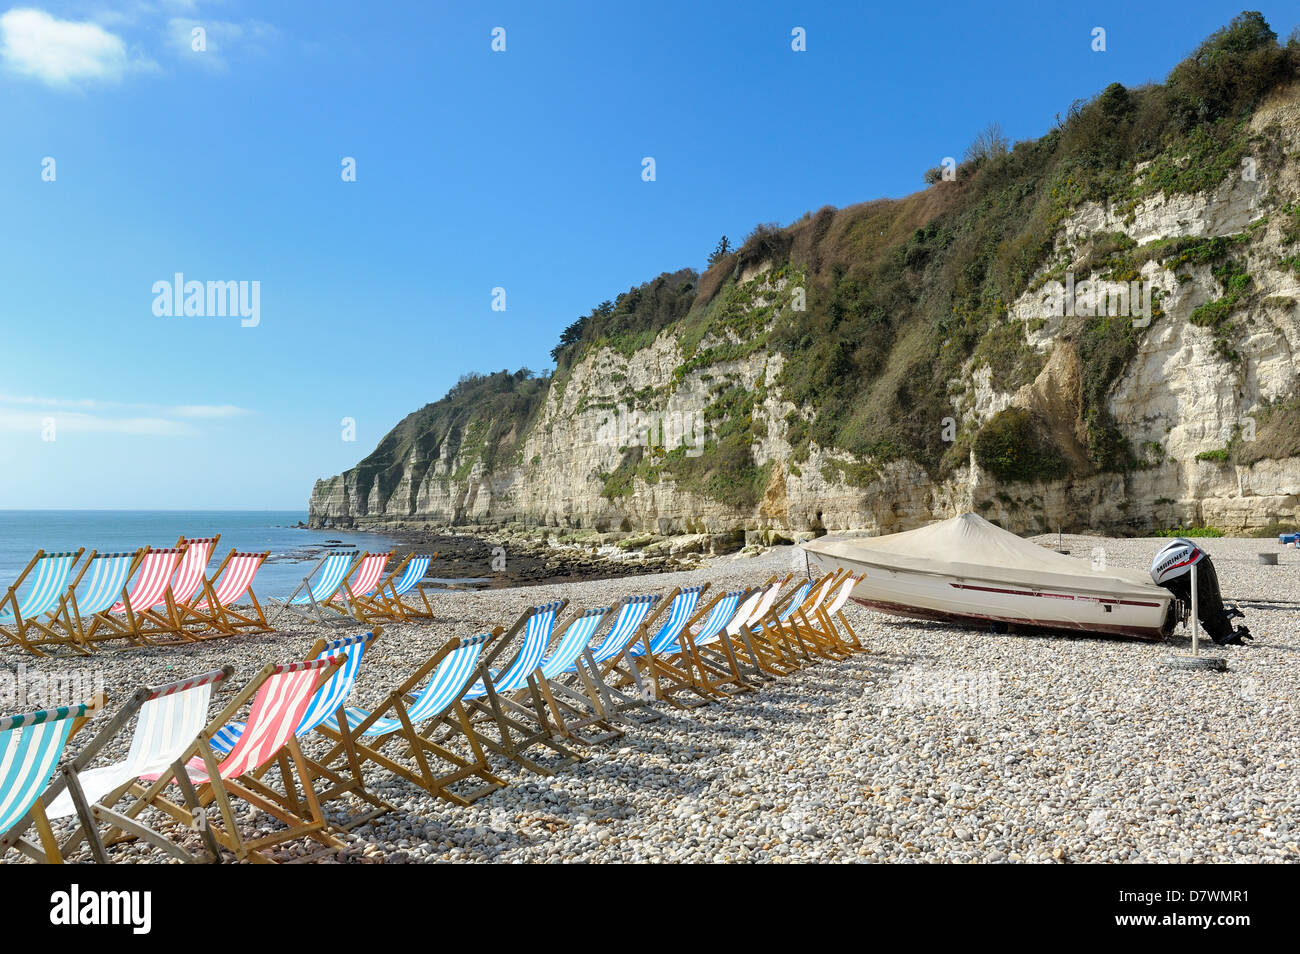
(387, 602)
(773, 629)
(168, 720)
(361, 585)
(393, 730)
(834, 610)
(310, 598)
(582, 682)
(681, 609)
(100, 582)
(799, 623)
(214, 609)
(31, 745)
(767, 658)
(47, 578)
(534, 713)
(489, 712)
(687, 663)
(325, 706)
(166, 618)
(280, 695)
(123, 620)
(713, 659)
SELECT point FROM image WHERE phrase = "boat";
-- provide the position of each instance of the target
(967, 570)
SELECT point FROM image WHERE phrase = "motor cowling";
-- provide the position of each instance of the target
(1173, 567)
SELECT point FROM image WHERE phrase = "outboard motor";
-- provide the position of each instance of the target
(1173, 568)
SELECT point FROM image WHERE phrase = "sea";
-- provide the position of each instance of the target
(294, 550)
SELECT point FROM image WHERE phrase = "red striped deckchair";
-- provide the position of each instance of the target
(350, 600)
(123, 619)
(165, 618)
(213, 608)
(280, 695)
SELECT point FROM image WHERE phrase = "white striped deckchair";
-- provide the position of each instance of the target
(768, 656)
(100, 582)
(532, 714)
(387, 602)
(834, 609)
(46, 577)
(231, 585)
(583, 682)
(680, 665)
(280, 695)
(714, 658)
(772, 625)
(168, 720)
(325, 706)
(123, 619)
(31, 745)
(310, 598)
(359, 586)
(409, 717)
(166, 618)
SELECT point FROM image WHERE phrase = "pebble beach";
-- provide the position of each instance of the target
(940, 744)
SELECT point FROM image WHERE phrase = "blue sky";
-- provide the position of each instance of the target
(475, 169)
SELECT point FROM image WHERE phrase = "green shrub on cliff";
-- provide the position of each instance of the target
(1014, 446)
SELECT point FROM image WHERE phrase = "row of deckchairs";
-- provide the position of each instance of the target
(79, 601)
(535, 694)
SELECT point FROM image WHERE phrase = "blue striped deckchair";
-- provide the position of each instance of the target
(100, 583)
(405, 722)
(625, 670)
(310, 598)
(702, 661)
(487, 697)
(387, 602)
(582, 681)
(30, 748)
(537, 714)
(46, 577)
(772, 626)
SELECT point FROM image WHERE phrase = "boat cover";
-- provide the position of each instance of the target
(970, 547)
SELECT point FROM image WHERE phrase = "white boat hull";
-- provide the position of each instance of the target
(945, 597)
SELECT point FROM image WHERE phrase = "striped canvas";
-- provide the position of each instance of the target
(683, 607)
(724, 610)
(765, 604)
(574, 640)
(102, 587)
(537, 634)
(795, 602)
(235, 579)
(842, 594)
(820, 594)
(167, 724)
(626, 625)
(444, 687)
(413, 574)
(367, 577)
(189, 575)
(47, 581)
(327, 699)
(328, 579)
(151, 581)
(30, 748)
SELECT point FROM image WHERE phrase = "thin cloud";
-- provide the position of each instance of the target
(62, 53)
(34, 422)
(220, 37)
(89, 405)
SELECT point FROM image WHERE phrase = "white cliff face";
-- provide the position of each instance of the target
(1177, 398)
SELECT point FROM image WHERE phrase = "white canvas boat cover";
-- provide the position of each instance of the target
(969, 547)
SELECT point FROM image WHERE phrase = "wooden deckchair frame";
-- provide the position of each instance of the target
(68, 613)
(387, 603)
(712, 671)
(350, 604)
(623, 670)
(421, 747)
(193, 813)
(22, 626)
(766, 658)
(818, 643)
